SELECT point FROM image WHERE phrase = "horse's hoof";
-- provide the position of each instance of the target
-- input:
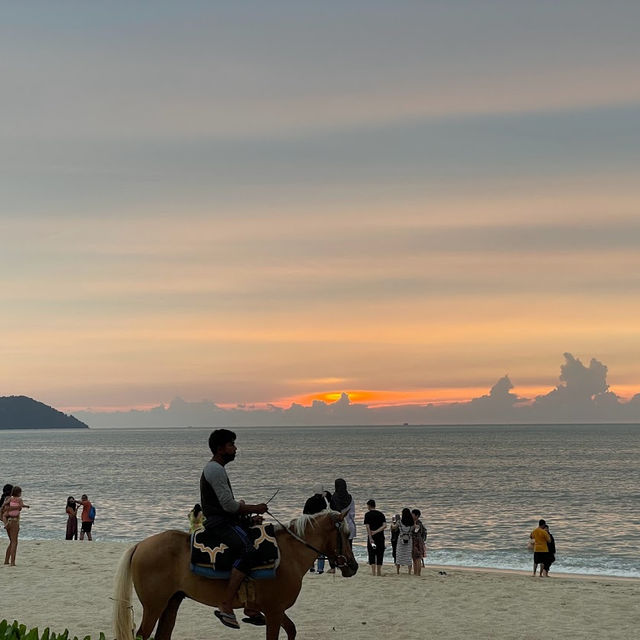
(258, 620)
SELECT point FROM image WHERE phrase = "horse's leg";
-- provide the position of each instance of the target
(150, 615)
(168, 618)
(288, 626)
(274, 620)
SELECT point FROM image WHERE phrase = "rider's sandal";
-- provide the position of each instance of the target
(227, 619)
(258, 620)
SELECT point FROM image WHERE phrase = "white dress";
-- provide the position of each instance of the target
(403, 550)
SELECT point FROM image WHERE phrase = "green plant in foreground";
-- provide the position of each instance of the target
(17, 631)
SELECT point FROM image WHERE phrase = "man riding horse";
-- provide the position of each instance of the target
(225, 517)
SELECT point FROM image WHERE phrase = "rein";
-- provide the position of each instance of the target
(339, 559)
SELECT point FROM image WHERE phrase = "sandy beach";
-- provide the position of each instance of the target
(69, 584)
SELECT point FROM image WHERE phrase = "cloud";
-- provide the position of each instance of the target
(582, 395)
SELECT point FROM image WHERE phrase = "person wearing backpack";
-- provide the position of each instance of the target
(88, 516)
(405, 541)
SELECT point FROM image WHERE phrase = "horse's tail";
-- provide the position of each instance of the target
(122, 608)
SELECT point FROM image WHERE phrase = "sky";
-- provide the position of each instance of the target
(258, 204)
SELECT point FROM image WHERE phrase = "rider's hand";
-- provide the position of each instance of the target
(261, 508)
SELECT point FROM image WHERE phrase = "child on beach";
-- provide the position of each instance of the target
(11, 517)
(196, 518)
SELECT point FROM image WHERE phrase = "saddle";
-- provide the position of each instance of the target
(211, 558)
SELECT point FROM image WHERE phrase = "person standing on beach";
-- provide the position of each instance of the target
(222, 516)
(419, 549)
(395, 532)
(405, 541)
(342, 501)
(541, 539)
(315, 504)
(551, 554)
(72, 519)
(376, 523)
(12, 507)
(6, 492)
(87, 517)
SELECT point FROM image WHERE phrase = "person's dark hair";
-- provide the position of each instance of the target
(71, 502)
(6, 492)
(416, 512)
(219, 438)
(406, 518)
(371, 503)
(196, 509)
(541, 523)
(16, 491)
(84, 497)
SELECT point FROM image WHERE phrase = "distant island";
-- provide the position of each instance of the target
(20, 412)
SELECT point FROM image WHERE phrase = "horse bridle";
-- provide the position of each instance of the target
(338, 558)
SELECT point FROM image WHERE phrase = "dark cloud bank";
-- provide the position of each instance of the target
(582, 396)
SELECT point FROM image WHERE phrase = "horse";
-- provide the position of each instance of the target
(158, 568)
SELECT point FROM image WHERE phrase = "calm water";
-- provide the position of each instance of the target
(481, 489)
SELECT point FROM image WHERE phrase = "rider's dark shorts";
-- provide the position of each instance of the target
(236, 538)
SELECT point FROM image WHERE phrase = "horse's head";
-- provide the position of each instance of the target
(337, 545)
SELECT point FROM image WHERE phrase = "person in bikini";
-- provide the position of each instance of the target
(223, 516)
(11, 509)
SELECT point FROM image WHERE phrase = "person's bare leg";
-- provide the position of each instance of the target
(373, 569)
(13, 544)
(235, 580)
(379, 569)
(398, 569)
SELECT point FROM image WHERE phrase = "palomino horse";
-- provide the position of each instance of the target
(158, 568)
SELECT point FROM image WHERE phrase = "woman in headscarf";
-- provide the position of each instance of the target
(343, 502)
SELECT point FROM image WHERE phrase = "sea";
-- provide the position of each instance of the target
(481, 489)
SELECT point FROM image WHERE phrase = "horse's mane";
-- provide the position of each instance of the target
(299, 525)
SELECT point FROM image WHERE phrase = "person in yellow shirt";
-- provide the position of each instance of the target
(540, 537)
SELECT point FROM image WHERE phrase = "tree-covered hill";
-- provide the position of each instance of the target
(20, 412)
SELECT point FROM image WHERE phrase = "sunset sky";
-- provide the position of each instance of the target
(268, 202)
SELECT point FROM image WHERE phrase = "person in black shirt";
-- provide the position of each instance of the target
(315, 504)
(376, 523)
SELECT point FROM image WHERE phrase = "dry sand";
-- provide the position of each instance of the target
(69, 584)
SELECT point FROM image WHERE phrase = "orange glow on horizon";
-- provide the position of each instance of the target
(368, 397)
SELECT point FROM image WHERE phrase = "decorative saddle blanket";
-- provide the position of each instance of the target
(212, 559)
